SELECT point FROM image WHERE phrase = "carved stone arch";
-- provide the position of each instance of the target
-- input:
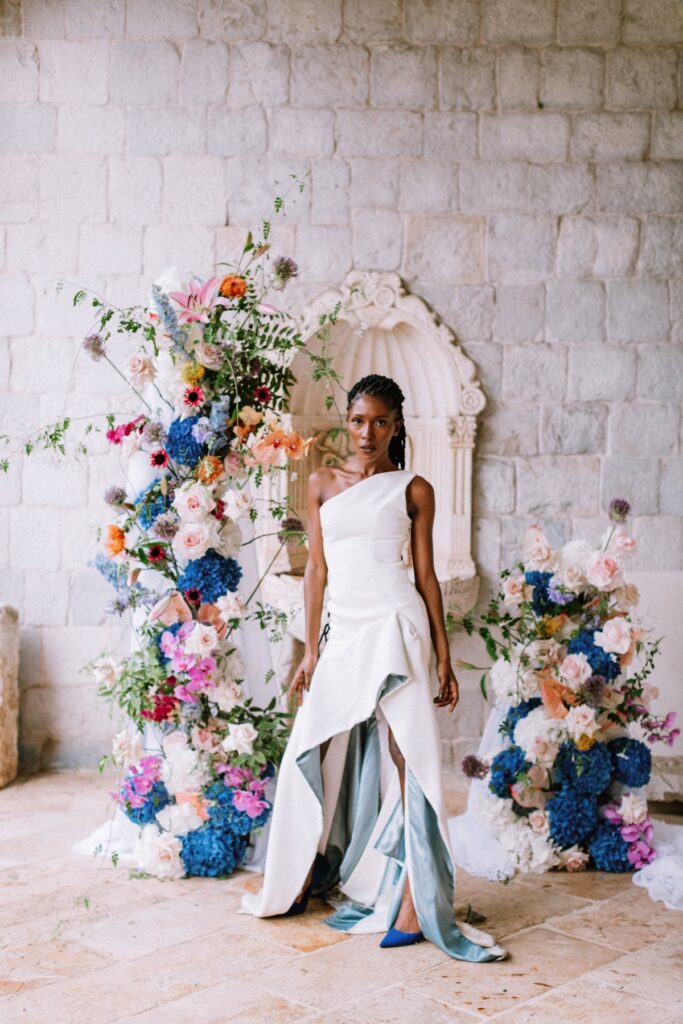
(380, 328)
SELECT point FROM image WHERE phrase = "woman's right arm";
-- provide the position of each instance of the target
(315, 579)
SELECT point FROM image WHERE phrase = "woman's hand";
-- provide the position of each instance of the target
(302, 678)
(448, 694)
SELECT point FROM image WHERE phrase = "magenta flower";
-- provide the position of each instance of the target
(249, 802)
(198, 301)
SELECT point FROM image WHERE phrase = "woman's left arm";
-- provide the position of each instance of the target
(420, 503)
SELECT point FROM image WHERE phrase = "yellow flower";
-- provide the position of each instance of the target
(585, 743)
(192, 374)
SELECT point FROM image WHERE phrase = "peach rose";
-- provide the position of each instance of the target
(604, 571)
(515, 590)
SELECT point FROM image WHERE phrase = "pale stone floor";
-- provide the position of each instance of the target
(87, 944)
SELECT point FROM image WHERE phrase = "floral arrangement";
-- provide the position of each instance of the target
(212, 374)
(560, 785)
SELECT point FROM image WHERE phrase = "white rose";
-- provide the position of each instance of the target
(127, 748)
(193, 502)
(544, 652)
(158, 853)
(240, 738)
(202, 640)
(107, 671)
(540, 736)
(574, 859)
(539, 821)
(181, 769)
(208, 355)
(615, 636)
(228, 539)
(575, 669)
(235, 665)
(139, 369)
(515, 590)
(580, 721)
(573, 559)
(168, 379)
(632, 809)
(179, 819)
(193, 540)
(237, 503)
(231, 606)
(227, 694)
(538, 554)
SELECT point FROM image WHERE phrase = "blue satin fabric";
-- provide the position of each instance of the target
(354, 820)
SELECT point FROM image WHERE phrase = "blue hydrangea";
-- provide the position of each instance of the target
(540, 601)
(156, 799)
(608, 850)
(573, 816)
(224, 815)
(212, 575)
(209, 851)
(515, 714)
(181, 443)
(631, 761)
(506, 767)
(602, 663)
(150, 509)
(586, 771)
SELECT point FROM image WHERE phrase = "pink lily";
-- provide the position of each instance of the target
(198, 301)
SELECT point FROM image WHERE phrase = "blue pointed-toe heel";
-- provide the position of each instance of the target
(395, 938)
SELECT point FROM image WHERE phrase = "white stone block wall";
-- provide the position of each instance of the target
(518, 162)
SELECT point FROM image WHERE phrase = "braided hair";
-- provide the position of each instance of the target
(388, 390)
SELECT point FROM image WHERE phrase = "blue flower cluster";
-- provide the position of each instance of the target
(156, 800)
(209, 851)
(505, 768)
(602, 663)
(515, 714)
(213, 575)
(224, 815)
(167, 315)
(573, 816)
(586, 771)
(540, 600)
(181, 444)
(631, 761)
(150, 509)
(608, 849)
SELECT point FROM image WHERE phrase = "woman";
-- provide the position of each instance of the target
(359, 801)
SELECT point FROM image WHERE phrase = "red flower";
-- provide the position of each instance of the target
(193, 397)
(193, 596)
(156, 553)
(164, 706)
(262, 394)
(159, 459)
(219, 511)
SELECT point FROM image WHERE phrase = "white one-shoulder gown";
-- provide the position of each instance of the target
(376, 671)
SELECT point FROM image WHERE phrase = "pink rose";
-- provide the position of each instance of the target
(615, 636)
(208, 355)
(515, 590)
(192, 541)
(538, 553)
(573, 859)
(575, 670)
(604, 571)
(622, 544)
(538, 821)
(580, 721)
(193, 502)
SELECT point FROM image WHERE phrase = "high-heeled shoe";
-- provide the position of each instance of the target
(300, 906)
(395, 938)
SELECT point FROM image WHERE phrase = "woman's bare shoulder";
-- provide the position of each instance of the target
(420, 494)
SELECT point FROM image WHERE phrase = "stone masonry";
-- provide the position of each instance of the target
(518, 162)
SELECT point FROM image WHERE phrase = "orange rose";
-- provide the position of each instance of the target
(232, 287)
(115, 540)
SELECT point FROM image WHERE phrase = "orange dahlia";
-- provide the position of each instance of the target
(114, 541)
(209, 469)
(232, 287)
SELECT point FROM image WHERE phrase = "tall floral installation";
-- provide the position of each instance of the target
(563, 786)
(212, 376)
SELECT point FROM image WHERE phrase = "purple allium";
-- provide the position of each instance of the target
(558, 596)
(284, 269)
(474, 768)
(154, 434)
(593, 691)
(115, 495)
(165, 526)
(619, 509)
(94, 346)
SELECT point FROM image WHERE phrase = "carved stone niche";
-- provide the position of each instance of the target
(382, 329)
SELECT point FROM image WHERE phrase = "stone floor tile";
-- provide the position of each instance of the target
(42, 963)
(391, 1006)
(654, 973)
(584, 1002)
(539, 960)
(332, 976)
(510, 908)
(240, 1001)
(134, 986)
(627, 922)
(586, 885)
(304, 934)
